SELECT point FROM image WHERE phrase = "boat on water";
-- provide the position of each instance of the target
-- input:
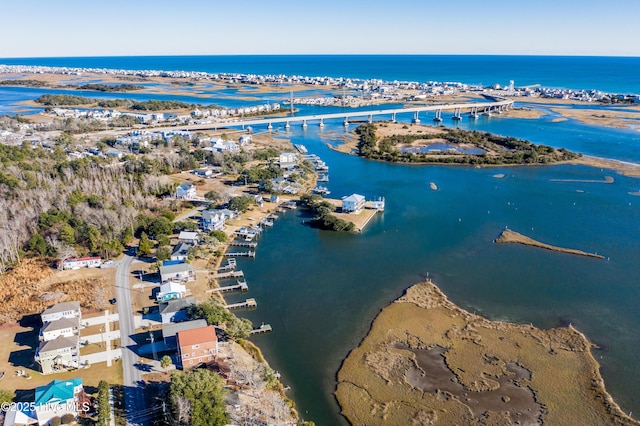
(322, 190)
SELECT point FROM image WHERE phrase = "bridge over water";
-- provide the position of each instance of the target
(474, 110)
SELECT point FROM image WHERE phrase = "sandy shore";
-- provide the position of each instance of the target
(606, 118)
(509, 236)
(427, 361)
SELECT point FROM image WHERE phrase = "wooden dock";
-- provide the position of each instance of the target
(249, 303)
(230, 266)
(243, 244)
(242, 254)
(240, 286)
(230, 274)
(264, 328)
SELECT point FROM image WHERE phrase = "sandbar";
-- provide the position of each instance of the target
(427, 361)
(509, 236)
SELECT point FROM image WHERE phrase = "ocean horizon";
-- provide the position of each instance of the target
(614, 74)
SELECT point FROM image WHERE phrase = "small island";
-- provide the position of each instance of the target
(509, 236)
(427, 361)
(439, 145)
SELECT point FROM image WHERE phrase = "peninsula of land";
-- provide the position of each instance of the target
(509, 236)
(427, 361)
(438, 145)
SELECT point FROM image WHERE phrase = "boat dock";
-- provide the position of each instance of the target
(292, 205)
(230, 266)
(249, 303)
(264, 328)
(242, 254)
(230, 274)
(240, 286)
(243, 244)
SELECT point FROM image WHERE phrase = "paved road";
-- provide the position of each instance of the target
(133, 394)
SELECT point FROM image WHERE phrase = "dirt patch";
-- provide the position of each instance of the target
(426, 361)
(33, 286)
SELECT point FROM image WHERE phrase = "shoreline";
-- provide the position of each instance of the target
(384, 378)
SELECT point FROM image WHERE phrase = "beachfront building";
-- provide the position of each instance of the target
(197, 346)
(353, 203)
(186, 190)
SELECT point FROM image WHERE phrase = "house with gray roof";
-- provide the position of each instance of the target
(175, 310)
(61, 310)
(169, 331)
(180, 273)
(59, 354)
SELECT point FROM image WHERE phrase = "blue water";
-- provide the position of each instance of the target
(610, 74)
(321, 290)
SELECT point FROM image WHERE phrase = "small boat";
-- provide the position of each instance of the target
(322, 190)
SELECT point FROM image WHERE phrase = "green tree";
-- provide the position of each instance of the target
(197, 397)
(144, 247)
(160, 226)
(216, 314)
(163, 240)
(104, 410)
(165, 362)
(241, 203)
(67, 234)
(38, 245)
(212, 196)
(185, 225)
(163, 253)
(68, 418)
(219, 235)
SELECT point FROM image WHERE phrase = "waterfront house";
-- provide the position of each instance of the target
(59, 354)
(197, 346)
(215, 219)
(353, 203)
(287, 160)
(171, 290)
(181, 251)
(58, 398)
(169, 331)
(61, 310)
(179, 273)
(244, 140)
(81, 262)
(186, 190)
(175, 310)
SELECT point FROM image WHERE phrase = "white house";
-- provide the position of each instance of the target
(225, 146)
(171, 290)
(189, 237)
(353, 203)
(244, 140)
(287, 160)
(67, 327)
(81, 262)
(61, 310)
(58, 355)
(186, 190)
(179, 273)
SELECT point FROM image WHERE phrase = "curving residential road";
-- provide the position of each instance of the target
(133, 393)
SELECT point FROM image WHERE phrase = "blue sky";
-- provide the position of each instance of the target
(33, 28)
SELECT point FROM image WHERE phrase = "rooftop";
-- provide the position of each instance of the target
(197, 336)
(169, 330)
(62, 307)
(57, 391)
(176, 305)
(61, 324)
